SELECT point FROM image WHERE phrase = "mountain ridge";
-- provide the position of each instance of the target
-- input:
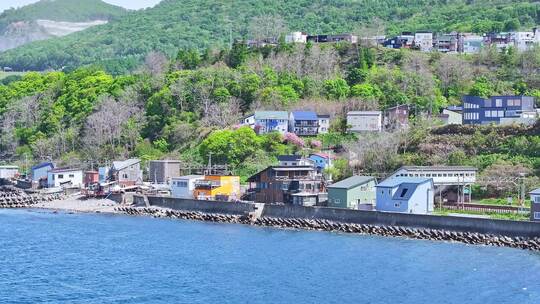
(181, 24)
(52, 18)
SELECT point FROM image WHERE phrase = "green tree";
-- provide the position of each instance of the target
(336, 88)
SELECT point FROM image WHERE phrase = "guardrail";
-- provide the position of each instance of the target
(488, 208)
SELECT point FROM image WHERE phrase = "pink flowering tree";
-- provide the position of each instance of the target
(316, 144)
(293, 139)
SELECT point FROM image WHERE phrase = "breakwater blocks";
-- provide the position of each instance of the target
(11, 197)
(327, 225)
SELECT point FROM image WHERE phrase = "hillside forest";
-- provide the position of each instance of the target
(122, 44)
(189, 107)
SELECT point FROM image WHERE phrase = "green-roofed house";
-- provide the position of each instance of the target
(356, 192)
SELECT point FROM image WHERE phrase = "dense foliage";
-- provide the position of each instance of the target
(61, 10)
(174, 24)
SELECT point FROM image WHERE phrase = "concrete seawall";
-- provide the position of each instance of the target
(449, 223)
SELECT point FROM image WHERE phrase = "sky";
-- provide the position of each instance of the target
(132, 4)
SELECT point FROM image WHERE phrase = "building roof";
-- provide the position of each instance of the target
(289, 157)
(168, 161)
(62, 170)
(364, 113)
(351, 182)
(271, 115)
(188, 177)
(119, 165)
(8, 167)
(438, 168)
(292, 168)
(396, 181)
(535, 192)
(304, 115)
(398, 107)
(43, 165)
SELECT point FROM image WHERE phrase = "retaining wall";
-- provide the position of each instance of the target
(450, 223)
(196, 205)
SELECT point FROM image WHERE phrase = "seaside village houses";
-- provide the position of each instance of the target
(425, 41)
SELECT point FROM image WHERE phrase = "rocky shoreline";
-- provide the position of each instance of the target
(325, 225)
(16, 198)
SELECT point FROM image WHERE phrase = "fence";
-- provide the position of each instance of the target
(489, 208)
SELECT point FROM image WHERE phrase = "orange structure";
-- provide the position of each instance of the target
(217, 187)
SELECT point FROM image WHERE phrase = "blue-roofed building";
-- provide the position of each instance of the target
(39, 172)
(535, 205)
(405, 195)
(304, 123)
(271, 121)
(478, 110)
(321, 160)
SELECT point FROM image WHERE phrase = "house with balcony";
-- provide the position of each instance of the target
(304, 123)
(271, 121)
(299, 185)
(324, 124)
(478, 110)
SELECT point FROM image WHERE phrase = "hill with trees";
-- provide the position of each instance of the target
(180, 24)
(52, 18)
(190, 106)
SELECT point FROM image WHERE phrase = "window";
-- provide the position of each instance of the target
(71, 175)
(403, 192)
(500, 113)
(498, 102)
(487, 103)
(125, 175)
(537, 215)
(488, 113)
(337, 201)
(396, 205)
(60, 176)
(517, 102)
(537, 199)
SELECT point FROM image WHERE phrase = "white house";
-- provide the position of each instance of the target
(324, 123)
(441, 175)
(294, 160)
(364, 121)
(405, 195)
(523, 40)
(424, 41)
(8, 172)
(66, 178)
(183, 187)
(535, 205)
(296, 37)
(450, 117)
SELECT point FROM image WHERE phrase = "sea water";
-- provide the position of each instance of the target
(48, 257)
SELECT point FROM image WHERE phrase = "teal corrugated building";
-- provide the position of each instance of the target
(352, 193)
